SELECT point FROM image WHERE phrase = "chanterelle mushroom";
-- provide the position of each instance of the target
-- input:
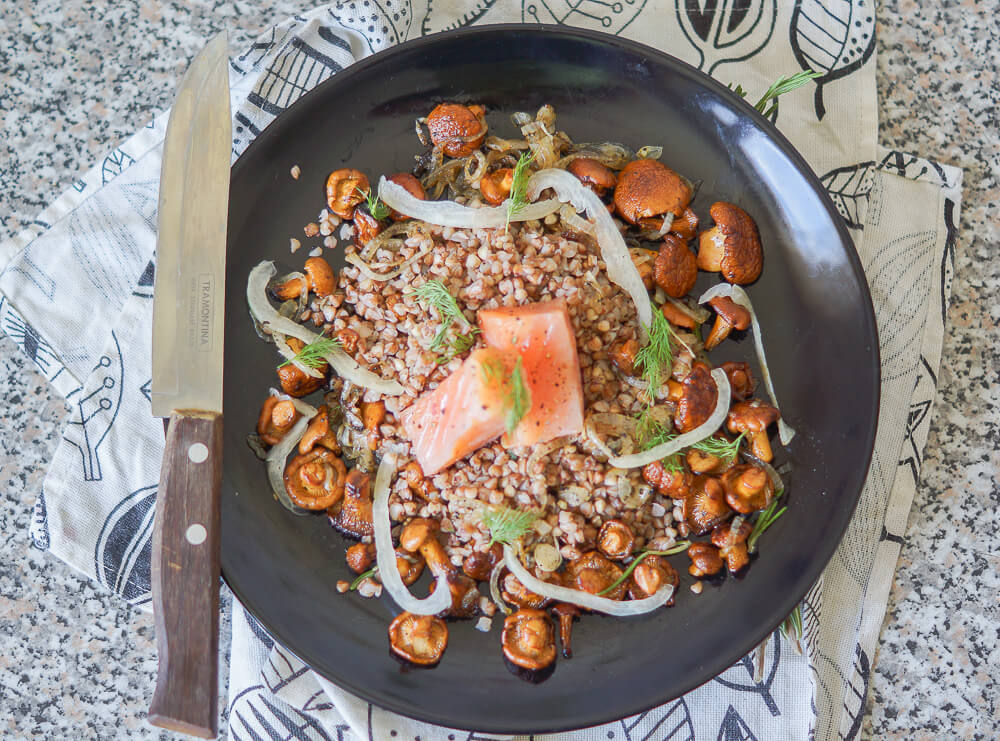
(355, 515)
(675, 269)
(646, 188)
(293, 381)
(652, 573)
(420, 639)
(728, 316)
(741, 381)
(732, 544)
(699, 395)
(315, 480)
(319, 433)
(457, 129)
(732, 246)
(345, 189)
(706, 506)
(705, 560)
(593, 174)
(495, 186)
(748, 488)
(616, 539)
(594, 573)
(674, 483)
(753, 417)
(276, 418)
(529, 640)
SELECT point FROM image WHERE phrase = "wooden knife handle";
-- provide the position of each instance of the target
(185, 575)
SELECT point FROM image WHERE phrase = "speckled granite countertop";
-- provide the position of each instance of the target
(78, 76)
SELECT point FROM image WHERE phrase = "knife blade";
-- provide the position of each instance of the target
(188, 314)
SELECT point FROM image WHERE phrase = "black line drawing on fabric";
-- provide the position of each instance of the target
(862, 530)
(95, 412)
(79, 185)
(475, 11)
(848, 188)
(144, 287)
(734, 728)
(125, 546)
(610, 17)
(257, 52)
(278, 724)
(913, 457)
(857, 689)
(724, 31)
(381, 23)
(258, 630)
(732, 677)
(143, 197)
(668, 723)
(32, 344)
(39, 528)
(889, 537)
(27, 267)
(293, 72)
(947, 259)
(812, 610)
(114, 164)
(835, 37)
(314, 703)
(147, 389)
(911, 167)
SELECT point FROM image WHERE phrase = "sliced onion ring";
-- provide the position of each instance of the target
(385, 554)
(341, 362)
(449, 213)
(772, 474)
(276, 458)
(614, 251)
(740, 297)
(623, 608)
(688, 439)
(354, 259)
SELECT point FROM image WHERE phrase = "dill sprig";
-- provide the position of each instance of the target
(517, 402)
(518, 197)
(376, 208)
(313, 354)
(434, 293)
(507, 525)
(655, 358)
(791, 628)
(719, 447)
(361, 577)
(768, 103)
(678, 547)
(765, 519)
(651, 434)
(457, 344)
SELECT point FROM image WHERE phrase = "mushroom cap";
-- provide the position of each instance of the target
(478, 565)
(349, 340)
(706, 507)
(360, 557)
(675, 269)
(725, 536)
(593, 572)
(495, 186)
(409, 565)
(420, 639)
(677, 317)
(685, 224)
(734, 314)
(464, 596)
(319, 433)
(741, 380)
(416, 532)
(345, 189)
(742, 257)
(751, 416)
(275, 419)
(615, 539)
(705, 559)
(593, 174)
(322, 279)
(366, 226)
(650, 574)
(516, 593)
(412, 185)
(529, 639)
(748, 488)
(623, 355)
(355, 515)
(456, 128)
(674, 484)
(315, 480)
(699, 395)
(647, 187)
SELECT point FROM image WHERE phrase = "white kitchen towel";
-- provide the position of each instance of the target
(75, 294)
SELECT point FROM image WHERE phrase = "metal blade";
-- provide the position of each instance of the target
(189, 295)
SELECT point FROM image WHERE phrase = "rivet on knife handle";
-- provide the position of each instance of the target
(185, 576)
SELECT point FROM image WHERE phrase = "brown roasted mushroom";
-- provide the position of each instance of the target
(457, 129)
(315, 480)
(754, 417)
(732, 246)
(345, 189)
(728, 316)
(409, 565)
(495, 186)
(529, 640)
(675, 269)
(276, 418)
(322, 279)
(705, 560)
(615, 539)
(748, 488)
(566, 613)
(420, 639)
(699, 395)
(516, 593)
(706, 506)
(685, 225)
(419, 535)
(319, 433)
(650, 575)
(349, 340)
(360, 557)
(478, 565)
(372, 416)
(419, 484)
(623, 356)
(366, 226)
(464, 596)
(593, 174)
(732, 544)
(354, 518)
(594, 573)
(289, 289)
(741, 381)
(701, 462)
(677, 317)
(648, 188)
(412, 185)
(674, 483)
(293, 381)
(643, 260)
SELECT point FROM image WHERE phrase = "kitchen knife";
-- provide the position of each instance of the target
(188, 309)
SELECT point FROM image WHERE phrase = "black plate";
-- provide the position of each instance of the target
(813, 303)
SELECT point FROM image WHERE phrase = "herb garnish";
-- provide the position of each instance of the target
(781, 86)
(361, 577)
(656, 357)
(507, 525)
(791, 627)
(457, 344)
(314, 354)
(518, 399)
(652, 434)
(719, 447)
(518, 197)
(376, 208)
(678, 547)
(765, 519)
(434, 293)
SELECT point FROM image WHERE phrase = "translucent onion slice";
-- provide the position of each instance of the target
(616, 424)
(688, 439)
(276, 458)
(354, 259)
(385, 554)
(618, 608)
(449, 213)
(615, 252)
(739, 296)
(768, 469)
(341, 362)
(495, 588)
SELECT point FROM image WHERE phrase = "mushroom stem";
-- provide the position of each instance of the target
(720, 331)
(711, 247)
(760, 446)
